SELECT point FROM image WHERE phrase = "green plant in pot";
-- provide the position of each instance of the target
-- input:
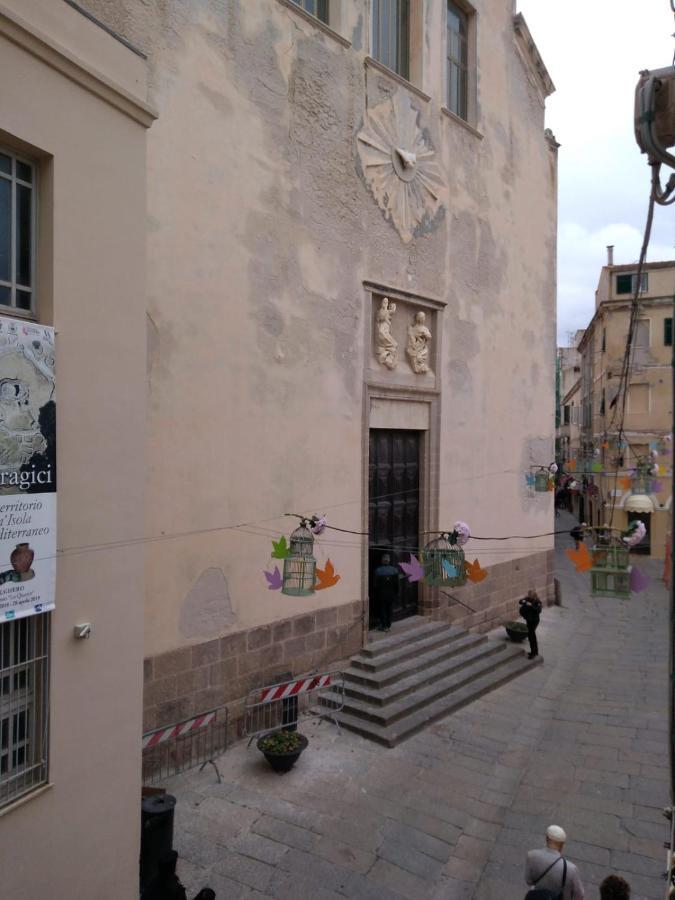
(517, 631)
(282, 749)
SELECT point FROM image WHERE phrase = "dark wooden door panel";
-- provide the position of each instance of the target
(393, 507)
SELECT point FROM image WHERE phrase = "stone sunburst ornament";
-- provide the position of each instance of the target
(399, 165)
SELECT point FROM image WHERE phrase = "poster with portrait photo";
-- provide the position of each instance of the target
(27, 469)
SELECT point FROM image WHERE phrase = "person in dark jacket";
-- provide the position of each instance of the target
(385, 587)
(530, 610)
(614, 887)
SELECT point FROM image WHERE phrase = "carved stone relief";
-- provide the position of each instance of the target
(419, 341)
(399, 164)
(386, 344)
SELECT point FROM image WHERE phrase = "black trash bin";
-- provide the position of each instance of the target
(156, 833)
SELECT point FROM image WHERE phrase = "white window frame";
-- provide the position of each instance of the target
(24, 692)
(12, 284)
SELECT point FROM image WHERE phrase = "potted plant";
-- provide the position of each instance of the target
(282, 749)
(517, 631)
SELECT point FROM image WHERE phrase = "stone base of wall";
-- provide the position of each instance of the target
(183, 682)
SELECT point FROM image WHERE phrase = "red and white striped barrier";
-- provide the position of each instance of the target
(293, 688)
(152, 738)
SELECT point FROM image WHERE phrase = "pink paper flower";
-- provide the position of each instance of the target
(463, 532)
(318, 524)
(636, 535)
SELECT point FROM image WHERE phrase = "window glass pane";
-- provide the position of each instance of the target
(23, 299)
(668, 332)
(5, 164)
(624, 284)
(24, 172)
(5, 229)
(23, 235)
(322, 10)
(5, 295)
(402, 59)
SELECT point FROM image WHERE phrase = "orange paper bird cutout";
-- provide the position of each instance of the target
(581, 558)
(326, 577)
(625, 483)
(474, 572)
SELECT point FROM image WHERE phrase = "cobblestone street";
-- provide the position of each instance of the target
(580, 742)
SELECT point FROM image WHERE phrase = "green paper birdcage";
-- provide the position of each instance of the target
(300, 566)
(541, 480)
(443, 563)
(611, 554)
(610, 574)
(642, 480)
(606, 582)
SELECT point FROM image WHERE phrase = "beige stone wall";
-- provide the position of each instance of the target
(80, 836)
(262, 234)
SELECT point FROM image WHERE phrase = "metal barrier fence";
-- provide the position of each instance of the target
(282, 705)
(184, 745)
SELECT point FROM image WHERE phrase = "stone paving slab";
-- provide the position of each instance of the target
(581, 741)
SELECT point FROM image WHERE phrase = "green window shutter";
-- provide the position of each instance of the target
(624, 284)
(668, 332)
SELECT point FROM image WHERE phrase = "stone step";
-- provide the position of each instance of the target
(439, 651)
(430, 692)
(381, 695)
(385, 643)
(404, 727)
(406, 650)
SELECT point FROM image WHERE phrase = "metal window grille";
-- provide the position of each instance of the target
(318, 8)
(458, 61)
(391, 31)
(24, 705)
(17, 233)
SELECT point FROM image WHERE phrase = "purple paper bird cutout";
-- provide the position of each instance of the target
(274, 579)
(638, 581)
(413, 569)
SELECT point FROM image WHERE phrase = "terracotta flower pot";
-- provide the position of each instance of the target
(22, 558)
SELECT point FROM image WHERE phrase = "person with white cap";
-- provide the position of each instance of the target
(552, 877)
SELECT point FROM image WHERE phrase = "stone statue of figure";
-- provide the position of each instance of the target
(387, 345)
(419, 338)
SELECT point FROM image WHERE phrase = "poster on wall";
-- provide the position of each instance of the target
(27, 469)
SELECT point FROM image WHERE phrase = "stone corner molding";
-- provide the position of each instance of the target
(531, 57)
(33, 41)
(399, 164)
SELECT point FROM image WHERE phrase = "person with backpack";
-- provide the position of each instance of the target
(551, 876)
(530, 610)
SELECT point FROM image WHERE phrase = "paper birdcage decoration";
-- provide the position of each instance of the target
(541, 477)
(613, 554)
(642, 481)
(610, 583)
(610, 575)
(300, 566)
(443, 563)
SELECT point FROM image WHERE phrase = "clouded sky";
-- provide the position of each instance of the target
(594, 51)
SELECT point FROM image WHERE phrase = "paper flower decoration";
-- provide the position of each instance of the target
(462, 532)
(318, 524)
(553, 468)
(654, 453)
(634, 534)
(654, 470)
(596, 452)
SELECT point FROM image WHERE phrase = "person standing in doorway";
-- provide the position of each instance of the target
(385, 587)
(530, 610)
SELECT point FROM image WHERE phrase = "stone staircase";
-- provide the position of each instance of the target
(420, 672)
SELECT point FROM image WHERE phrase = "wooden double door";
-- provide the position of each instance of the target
(394, 510)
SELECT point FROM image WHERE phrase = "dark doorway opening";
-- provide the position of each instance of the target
(393, 510)
(645, 545)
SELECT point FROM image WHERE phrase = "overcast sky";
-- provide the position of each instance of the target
(594, 51)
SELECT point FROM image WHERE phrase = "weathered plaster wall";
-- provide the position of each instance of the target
(80, 836)
(262, 232)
